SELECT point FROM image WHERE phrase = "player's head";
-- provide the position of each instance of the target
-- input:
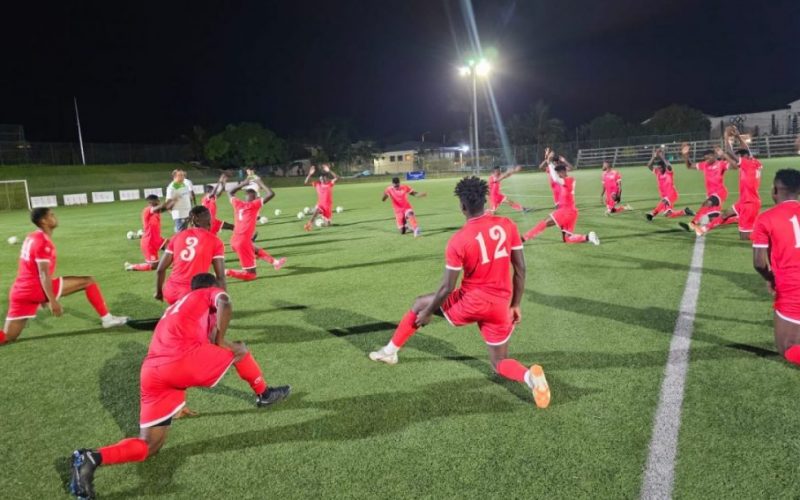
(199, 216)
(786, 185)
(44, 218)
(709, 155)
(152, 200)
(497, 170)
(662, 165)
(250, 170)
(471, 191)
(743, 153)
(396, 181)
(250, 194)
(606, 165)
(210, 188)
(203, 280)
(324, 178)
(178, 175)
(561, 170)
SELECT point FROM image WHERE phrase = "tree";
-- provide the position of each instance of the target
(196, 140)
(607, 126)
(246, 144)
(362, 153)
(333, 136)
(677, 119)
(536, 126)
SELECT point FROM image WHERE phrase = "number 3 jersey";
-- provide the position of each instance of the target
(482, 250)
(192, 252)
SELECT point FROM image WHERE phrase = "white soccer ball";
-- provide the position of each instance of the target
(319, 222)
(306, 210)
(339, 210)
(139, 233)
(299, 215)
(130, 235)
(277, 212)
(263, 220)
(12, 240)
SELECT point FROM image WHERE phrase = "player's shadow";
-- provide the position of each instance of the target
(301, 270)
(361, 222)
(312, 243)
(648, 234)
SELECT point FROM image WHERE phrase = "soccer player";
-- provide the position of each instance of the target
(246, 214)
(403, 211)
(486, 249)
(776, 257)
(566, 213)
(190, 252)
(496, 197)
(713, 168)
(36, 287)
(324, 186)
(152, 242)
(210, 202)
(188, 349)
(555, 187)
(181, 192)
(612, 190)
(746, 209)
(662, 169)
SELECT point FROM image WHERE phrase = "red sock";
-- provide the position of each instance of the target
(405, 329)
(263, 255)
(127, 450)
(250, 372)
(792, 355)
(142, 267)
(703, 211)
(516, 206)
(714, 223)
(512, 369)
(412, 222)
(96, 299)
(673, 214)
(240, 275)
(2, 337)
(536, 231)
(661, 207)
(575, 238)
(733, 219)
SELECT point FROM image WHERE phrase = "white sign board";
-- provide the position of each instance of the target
(76, 199)
(201, 189)
(43, 201)
(156, 191)
(230, 185)
(128, 194)
(102, 196)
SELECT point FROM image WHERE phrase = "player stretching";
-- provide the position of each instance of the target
(496, 197)
(566, 214)
(210, 202)
(662, 169)
(36, 287)
(324, 187)
(152, 242)
(713, 168)
(188, 349)
(485, 249)
(746, 209)
(190, 252)
(246, 214)
(612, 190)
(776, 257)
(555, 187)
(403, 211)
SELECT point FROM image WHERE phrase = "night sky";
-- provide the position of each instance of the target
(148, 71)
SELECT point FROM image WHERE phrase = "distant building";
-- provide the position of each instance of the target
(776, 122)
(415, 155)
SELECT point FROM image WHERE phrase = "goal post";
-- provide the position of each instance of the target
(14, 195)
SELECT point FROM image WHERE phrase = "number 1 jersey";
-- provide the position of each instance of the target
(192, 252)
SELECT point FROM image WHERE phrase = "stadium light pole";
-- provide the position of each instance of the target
(80, 134)
(481, 68)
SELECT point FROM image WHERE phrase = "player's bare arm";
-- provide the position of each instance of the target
(311, 170)
(235, 189)
(518, 263)
(224, 311)
(566, 162)
(418, 194)
(47, 285)
(219, 271)
(761, 265)
(268, 192)
(327, 170)
(161, 274)
(685, 149)
(437, 299)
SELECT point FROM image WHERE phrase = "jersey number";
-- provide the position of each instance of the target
(796, 227)
(174, 308)
(188, 253)
(497, 234)
(241, 214)
(25, 252)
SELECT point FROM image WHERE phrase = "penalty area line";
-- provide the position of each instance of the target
(659, 474)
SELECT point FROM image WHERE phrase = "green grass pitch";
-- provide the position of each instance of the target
(439, 424)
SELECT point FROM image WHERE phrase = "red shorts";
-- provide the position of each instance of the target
(612, 198)
(216, 225)
(173, 291)
(24, 305)
(326, 211)
(493, 318)
(671, 198)
(721, 195)
(787, 304)
(150, 248)
(496, 201)
(163, 387)
(246, 251)
(401, 215)
(747, 213)
(565, 219)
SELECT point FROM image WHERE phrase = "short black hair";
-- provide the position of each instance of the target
(661, 163)
(151, 197)
(198, 210)
(251, 190)
(37, 214)
(210, 188)
(472, 193)
(204, 280)
(560, 167)
(789, 179)
(708, 152)
(395, 180)
(743, 152)
(497, 167)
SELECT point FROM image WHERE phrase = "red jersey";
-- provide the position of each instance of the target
(566, 194)
(324, 193)
(185, 325)
(714, 172)
(193, 250)
(779, 230)
(399, 196)
(666, 182)
(494, 187)
(482, 250)
(210, 202)
(246, 216)
(611, 179)
(749, 180)
(151, 224)
(37, 247)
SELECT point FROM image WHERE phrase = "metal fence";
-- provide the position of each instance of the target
(65, 153)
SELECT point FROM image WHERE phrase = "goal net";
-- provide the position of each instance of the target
(14, 195)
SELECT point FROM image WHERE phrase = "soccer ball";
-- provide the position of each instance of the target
(12, 240)
(263, 220)
(139, 233)
(277, 212)
(130, 235)
(319, 222)
(299, 215)
(306, 210)
(339, 210)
